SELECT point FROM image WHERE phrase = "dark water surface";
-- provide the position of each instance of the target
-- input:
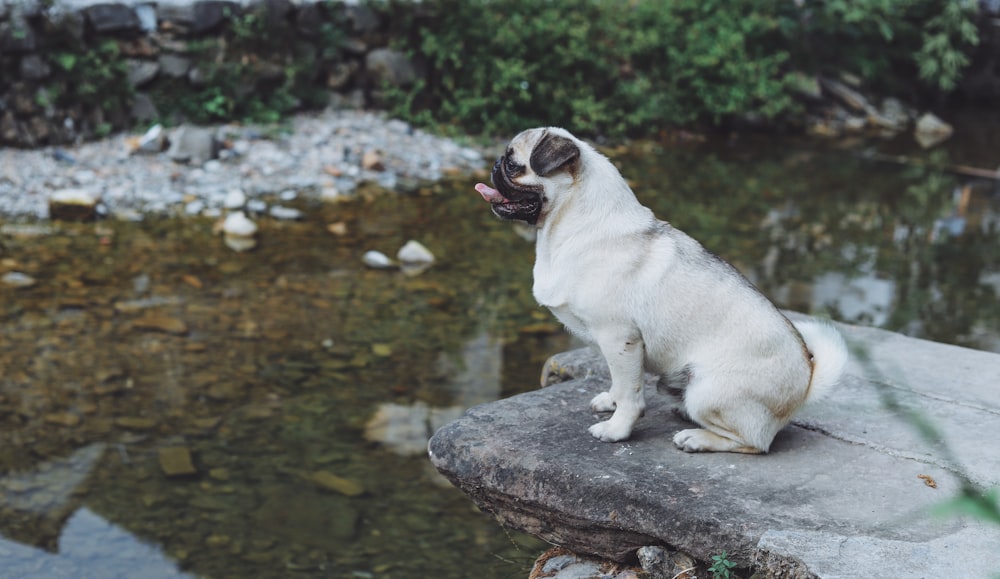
(171, 408)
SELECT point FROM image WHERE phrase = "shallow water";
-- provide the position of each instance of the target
(171, 408)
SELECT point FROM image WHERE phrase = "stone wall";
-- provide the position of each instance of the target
(74, 69)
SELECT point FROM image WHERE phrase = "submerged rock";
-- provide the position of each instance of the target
(161, 323)
(176, 461)
(338, 484)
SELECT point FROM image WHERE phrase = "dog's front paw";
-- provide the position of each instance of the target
(603, 402)
(610, 431)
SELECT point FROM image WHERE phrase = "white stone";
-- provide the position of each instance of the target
(414, 252)
(17, 279)
(74, 197)
(377, 260)
(288, 213)
(238, 225)
(235, 198)
(330, 195)
(256, 206)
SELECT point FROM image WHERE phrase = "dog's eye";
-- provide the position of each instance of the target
(511, 167)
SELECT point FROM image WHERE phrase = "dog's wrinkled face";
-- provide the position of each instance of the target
(521, 173)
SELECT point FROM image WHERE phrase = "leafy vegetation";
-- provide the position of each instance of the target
(604, 67)
(721, 566)
(92, 78)
(259, 69)
(610, 68)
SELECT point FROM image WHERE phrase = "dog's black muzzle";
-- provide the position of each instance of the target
(522, 202)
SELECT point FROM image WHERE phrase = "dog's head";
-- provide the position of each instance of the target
(537, 164)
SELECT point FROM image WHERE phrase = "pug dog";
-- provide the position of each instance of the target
(651, 298)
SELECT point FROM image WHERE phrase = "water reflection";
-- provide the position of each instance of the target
(301, 387)
(911, 250)
(89, 547)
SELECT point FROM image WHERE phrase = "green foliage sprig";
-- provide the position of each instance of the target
(721, 566)
(90, 77)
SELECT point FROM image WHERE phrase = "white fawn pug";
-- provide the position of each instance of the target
(652, 298)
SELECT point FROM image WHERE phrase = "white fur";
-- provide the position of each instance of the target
(650, 297)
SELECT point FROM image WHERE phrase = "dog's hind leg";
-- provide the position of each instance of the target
(730, 422)
(624, 354)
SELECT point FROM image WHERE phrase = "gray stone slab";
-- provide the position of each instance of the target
(839, 495)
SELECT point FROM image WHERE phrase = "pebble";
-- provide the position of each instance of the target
(256, 206)
(414, 252)
(160, 323)
(238, 225)
(338, 228)
(377, 260)
(287, 213)
(321, 155)
(338, 484)
(176, 461)
(234, 199)
(414, 258)
(17, 279)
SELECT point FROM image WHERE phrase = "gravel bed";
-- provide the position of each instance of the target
(322, 155)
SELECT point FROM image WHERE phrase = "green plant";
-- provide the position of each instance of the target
(891, 44)
(610, 68)
(259, 70)
(593, 65)
(721, 566)
(92, 78)
(941, 57)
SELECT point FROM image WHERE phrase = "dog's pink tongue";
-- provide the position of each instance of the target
(489, 193)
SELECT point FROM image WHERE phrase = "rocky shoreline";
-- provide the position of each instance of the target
(192, 170)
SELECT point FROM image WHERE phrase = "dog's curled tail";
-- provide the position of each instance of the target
(829, 353)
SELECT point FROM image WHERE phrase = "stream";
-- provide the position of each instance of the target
(172, 408)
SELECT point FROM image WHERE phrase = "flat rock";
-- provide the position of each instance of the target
(176, 461)
(160, 323)
(839, 495)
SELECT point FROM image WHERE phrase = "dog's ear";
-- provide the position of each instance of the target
(552, 153)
